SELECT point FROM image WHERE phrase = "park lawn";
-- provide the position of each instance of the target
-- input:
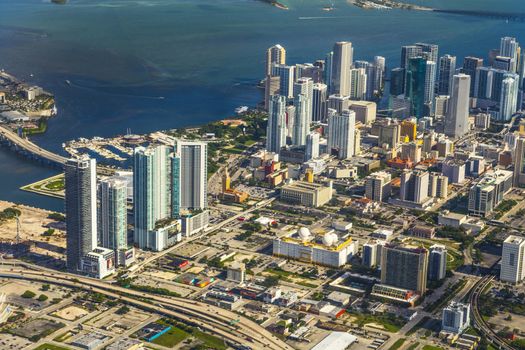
(388, 322)
(431, 347)
(51, 347)
(171, 337)
(398, 344)
(210, 340)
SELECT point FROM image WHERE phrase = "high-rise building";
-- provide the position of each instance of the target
(312, 145)
(319, 102)
(397, 81)
(342, 62)
(408, 130)
(414, 186)
(271, 88)
(404, 267)
(390, 135)
(456, 119)
(328, 71)
(411, 151)
(274, 55)
(508, 103)
(305, 87)
(276, 129)
(150, 192)
(358, 84)
(470, 65)
(438, 187)
(437, 262)
(509, 47)
(408, 52)
(519, 163)
(377, 186)
(513, 260)
(429, 51)
(504, 63)
(341, 129)
(193, 174)
(301, 123)
(365, 111)
(441, 105)
(372, 253)
(483, 82)
(455, 317)
(81, 210)
(447, 69)
(419, 85)
(112, 213)
(286, 76)
(488, 192)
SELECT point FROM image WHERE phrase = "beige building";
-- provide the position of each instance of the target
(365, 111)
(307, 194)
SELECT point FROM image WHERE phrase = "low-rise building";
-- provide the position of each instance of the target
(307, 193)
(455, 317)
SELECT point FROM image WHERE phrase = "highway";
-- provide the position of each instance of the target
(477, 318)
(210, 318)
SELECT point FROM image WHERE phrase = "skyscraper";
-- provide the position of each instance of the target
(456, 119)
(274, 55)
(519, 163)
(509, 97)
(509, 47)
(404, 267)
(437, 262)
(301, 123)
(408, 52)
(305, 87)
(483, 85)
(358, 84)
(455, 318)
(419, 85)
(513, 259)
(447, 69)
(271, 87)
(377, 186)
(429, 51)
(193, 174)
(328, 68)
(150, 192)
(113, 213)
(276, 129)
(397, 81)
(81, 210)
(470, 64)
(414, 186)
(319, 102)
(341, 129)
(312, 145)
(342, 62)
(286, 76)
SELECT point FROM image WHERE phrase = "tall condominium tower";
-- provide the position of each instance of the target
(305, 87)
(408, 52)
(429, 51)
(456, 119)
(319, 102)
(509, 47)
(112, 213)
(342, 62)
(419, 85)
(341, 130)
(193, 174)
(508, 103)
(470, 64)
(328, 68)
(81, 210)
(276, 129)
(446, 70)
(274, 55)
(286, 76)
(150, 192)
(377, 186)
(414, 186)
(513, 259)
(312, 145)
(437, 262)
(301, 124)
(404, 267)
(358, 84)
(519, 163)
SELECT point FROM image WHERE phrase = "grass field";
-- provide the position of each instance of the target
(431, 347)
(210, 340)
(51, 347)
(171, 337)
(399, 343)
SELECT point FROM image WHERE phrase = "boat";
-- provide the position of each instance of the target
(241, 109)
(54, 110)
(68, 82)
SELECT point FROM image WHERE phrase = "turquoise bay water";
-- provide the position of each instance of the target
(156, 64)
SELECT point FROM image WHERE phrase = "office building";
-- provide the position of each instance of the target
(305, 87)
(504, 63)
(274, 55)
(277, 128)
(236, 272)
(193, 174)
(151, 185)
(446, 70)
(408, 130)
(271, 88)
(312, 145)
(411, 151)
(408, 52)
(419, 85)
(358, 84)
(397, 81)
(455, 317)
(319, 102)
(99, 263)
(519, 163)
(441, 105)
(488, 192)
(286, 76)
(377, 186)
(81, 210)
(429, 51)
(470, 65)
(307, 193)
(483, 82)
(437, 262)
(404, 267)
(456, 119)
(365, 111)
(372, 253)
(414, 186)
(341, 130)
(438, 186)
(112, 213)
(510, 48)
(338, 103)
(341, 65)
(513, 259)
(454, 169)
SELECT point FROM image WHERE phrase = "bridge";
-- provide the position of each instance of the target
(28, 148)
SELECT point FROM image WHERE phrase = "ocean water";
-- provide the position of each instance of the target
(157, 64)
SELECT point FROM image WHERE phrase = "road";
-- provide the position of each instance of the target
(210, 318)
